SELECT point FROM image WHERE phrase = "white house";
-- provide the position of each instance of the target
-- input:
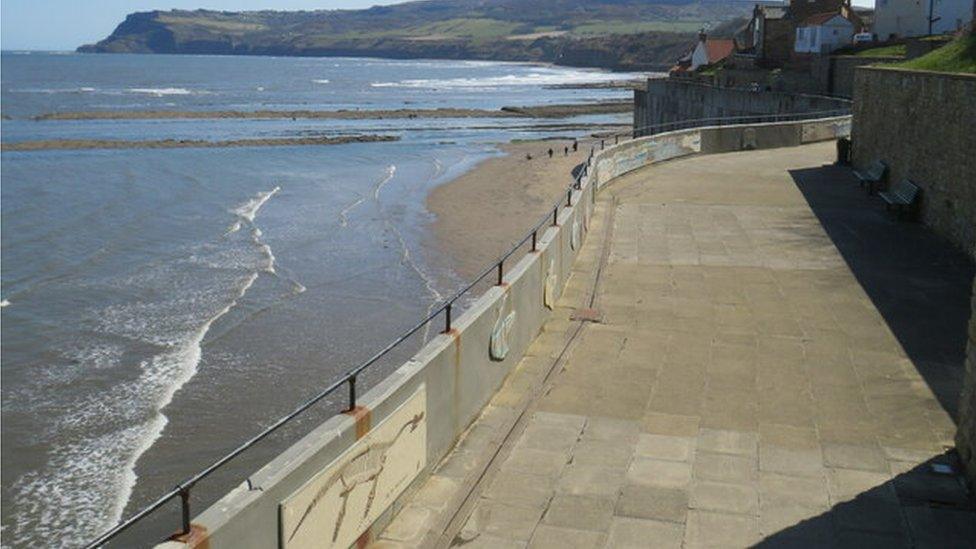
(707, 51)
(903, 18)
(823, 33)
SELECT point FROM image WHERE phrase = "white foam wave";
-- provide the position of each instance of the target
(541, 77)
(321, 81)
(89, 477)
(159, 92)
(344, 214)
(269, 266)
(80, 89)
(247, 212)
(390, 172)
(4, 303)
(249, 209)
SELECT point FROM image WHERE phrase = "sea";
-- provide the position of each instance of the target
(160, 306)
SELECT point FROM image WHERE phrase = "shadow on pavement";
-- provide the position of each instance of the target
(917, 508)
(917, 280)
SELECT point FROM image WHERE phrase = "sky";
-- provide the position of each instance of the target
(67, 24)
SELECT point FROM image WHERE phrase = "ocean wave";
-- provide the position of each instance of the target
(390, 172)
(344, 214)
(79, 89)
(155, 92)
(159, 92)
(249, 209)
(533, 78)
(90, 474)
(321, 81)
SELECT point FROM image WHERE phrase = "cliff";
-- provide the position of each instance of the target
(616, 34)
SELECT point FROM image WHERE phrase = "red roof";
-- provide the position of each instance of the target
(718, 49)
(819, 19)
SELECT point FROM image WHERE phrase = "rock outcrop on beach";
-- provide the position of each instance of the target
(615, 34)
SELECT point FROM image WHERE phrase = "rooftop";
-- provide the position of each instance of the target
(757, 372)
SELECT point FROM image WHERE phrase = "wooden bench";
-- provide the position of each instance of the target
(872, 176)
(901, 196)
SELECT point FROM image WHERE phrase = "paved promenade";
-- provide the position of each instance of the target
(777, 363)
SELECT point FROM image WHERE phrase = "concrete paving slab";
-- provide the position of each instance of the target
(740, 499)
(553, 537)
(627, 533)
(652, 502)
(655, 472)
(581, 512)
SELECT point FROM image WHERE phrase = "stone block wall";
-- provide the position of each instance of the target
(840, 78)
(673, 100)
(922, 125)
(966, 434)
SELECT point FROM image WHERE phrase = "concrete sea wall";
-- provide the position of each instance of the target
(673, 100)
(922, 125)
(350, 475)
(966, 433)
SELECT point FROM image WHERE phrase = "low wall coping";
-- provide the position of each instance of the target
(931, 74)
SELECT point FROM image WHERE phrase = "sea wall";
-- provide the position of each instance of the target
(671, 100)
(966, 433)
(350, 475)
(921, 124)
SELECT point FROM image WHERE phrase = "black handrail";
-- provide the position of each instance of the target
(183, 488)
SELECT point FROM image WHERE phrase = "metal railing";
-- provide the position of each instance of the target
(182, 490)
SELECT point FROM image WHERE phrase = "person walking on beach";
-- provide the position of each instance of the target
(550, 152)
(575, 145)
(566, 151)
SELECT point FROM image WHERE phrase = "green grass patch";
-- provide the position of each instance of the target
(897, 50)
(467, 28)
(956, 56)
(599, 27)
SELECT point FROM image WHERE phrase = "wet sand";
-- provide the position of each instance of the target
(543, 111)
(482, 213)
(66, 144)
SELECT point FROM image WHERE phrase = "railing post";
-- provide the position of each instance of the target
(555, 216)
(535, 235)
(447, 316)
(569, 198)
(501, 271)
(352, 393)
(185, 505)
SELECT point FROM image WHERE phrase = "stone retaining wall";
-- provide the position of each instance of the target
(966, 433)
(922, 125)
(349, 476)
(672, 100)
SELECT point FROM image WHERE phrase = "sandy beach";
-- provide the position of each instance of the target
(482, 213)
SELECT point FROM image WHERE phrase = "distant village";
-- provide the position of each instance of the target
(812, 46)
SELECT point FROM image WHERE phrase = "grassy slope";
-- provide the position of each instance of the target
(898, 50)
(956, 56)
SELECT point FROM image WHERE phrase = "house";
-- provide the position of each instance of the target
(770, 36)
(707, 51)
(823, 33)
(905, 18)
